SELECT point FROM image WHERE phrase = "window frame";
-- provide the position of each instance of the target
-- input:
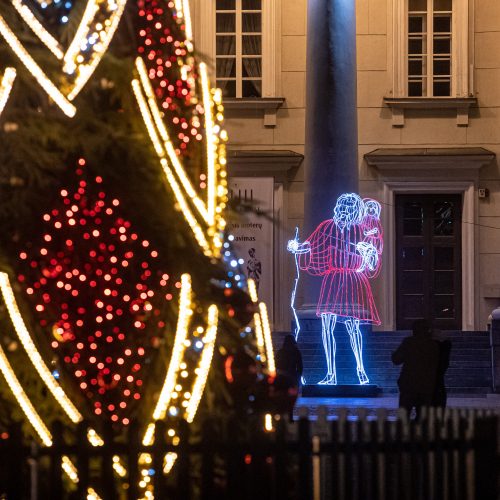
(461, 55)
(205, 40)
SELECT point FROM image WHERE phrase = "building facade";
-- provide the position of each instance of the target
(428, 82)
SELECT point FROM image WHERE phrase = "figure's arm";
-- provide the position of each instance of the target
(298, 248)
(369, 256)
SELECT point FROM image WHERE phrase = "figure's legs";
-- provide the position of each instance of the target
(356, 339)
(328, 322)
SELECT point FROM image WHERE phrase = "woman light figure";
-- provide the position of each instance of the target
(345, 251)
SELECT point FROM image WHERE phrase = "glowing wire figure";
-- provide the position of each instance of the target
(346, 251)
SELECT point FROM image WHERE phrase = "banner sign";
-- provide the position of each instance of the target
(253, 232)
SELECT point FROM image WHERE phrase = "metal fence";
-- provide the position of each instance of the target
(450, 456)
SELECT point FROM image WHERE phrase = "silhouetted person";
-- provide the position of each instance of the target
(419, 355)
(289, 363)
(289, 359)
(440, 395)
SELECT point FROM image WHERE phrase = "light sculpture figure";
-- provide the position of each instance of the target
(345, 251)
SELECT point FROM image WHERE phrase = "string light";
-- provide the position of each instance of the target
(33, 354)
(109, 25)
(204, 365)
(70, 469)
(36, 26)
(181, 200)
(178, 348)
(35, 70)
(23, 400)
(8, 78)
(267, 339)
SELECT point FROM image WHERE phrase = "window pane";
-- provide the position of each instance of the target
(443, 218)
(226, 67)
(252, 67)
(413, 258)
(412, 282)
(442, 24)
(443, 281)
(413, 306)
(415, 67)
(417, 5)
(225, 45)
(442, 46)
(442, 67)
(413, 210)
(415, 46)
(251, 23)
(252, 88)
(442, 5)
(225, 4)
(252, 44)
(416, 89)
(412, 227)
(441, 89)
(443, 258)
(444, 306)
(226, 23)
(228, 87)
(416, 24)
(252, 5)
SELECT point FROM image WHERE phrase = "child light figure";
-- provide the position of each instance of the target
(346, 251)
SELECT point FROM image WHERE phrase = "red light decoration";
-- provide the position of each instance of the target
(162, 45)
(102, 319)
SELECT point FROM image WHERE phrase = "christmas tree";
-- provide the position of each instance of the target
(112, 199)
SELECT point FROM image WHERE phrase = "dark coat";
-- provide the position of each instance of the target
(419, 355)
(289, 362)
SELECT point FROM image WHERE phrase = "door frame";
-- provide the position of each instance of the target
(466, 189)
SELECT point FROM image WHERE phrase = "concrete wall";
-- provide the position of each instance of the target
(425, 128)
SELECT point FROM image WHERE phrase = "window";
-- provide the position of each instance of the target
(432, 49)
(430, 42)
(238, 47)
(241, 46)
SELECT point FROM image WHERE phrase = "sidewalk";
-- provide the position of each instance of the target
(390, 403)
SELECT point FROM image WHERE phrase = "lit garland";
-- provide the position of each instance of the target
(36, 26)
(35, 70)
(93, 36)
(23, 400)
(8, 78)
(33, 354)
(96, 30)
(159, 70)
(205, 363)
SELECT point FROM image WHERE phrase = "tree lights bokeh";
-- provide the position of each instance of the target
(96, 286)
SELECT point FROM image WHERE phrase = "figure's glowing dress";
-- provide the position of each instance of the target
(345, 251)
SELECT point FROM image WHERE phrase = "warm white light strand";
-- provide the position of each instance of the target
(204, 364)
(23, 400)
(85, 70)
(36, 26)
(146, 116)
(32, 352)
(210, 138)
(35, 70)
(168, 146)
(267, 338)
(8, 78)
(178, 349)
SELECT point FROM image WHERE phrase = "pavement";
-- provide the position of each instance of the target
(371, 406)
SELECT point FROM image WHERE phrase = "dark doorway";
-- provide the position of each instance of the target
(429, 260)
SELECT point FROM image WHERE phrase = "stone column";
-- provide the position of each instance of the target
(331, 143)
